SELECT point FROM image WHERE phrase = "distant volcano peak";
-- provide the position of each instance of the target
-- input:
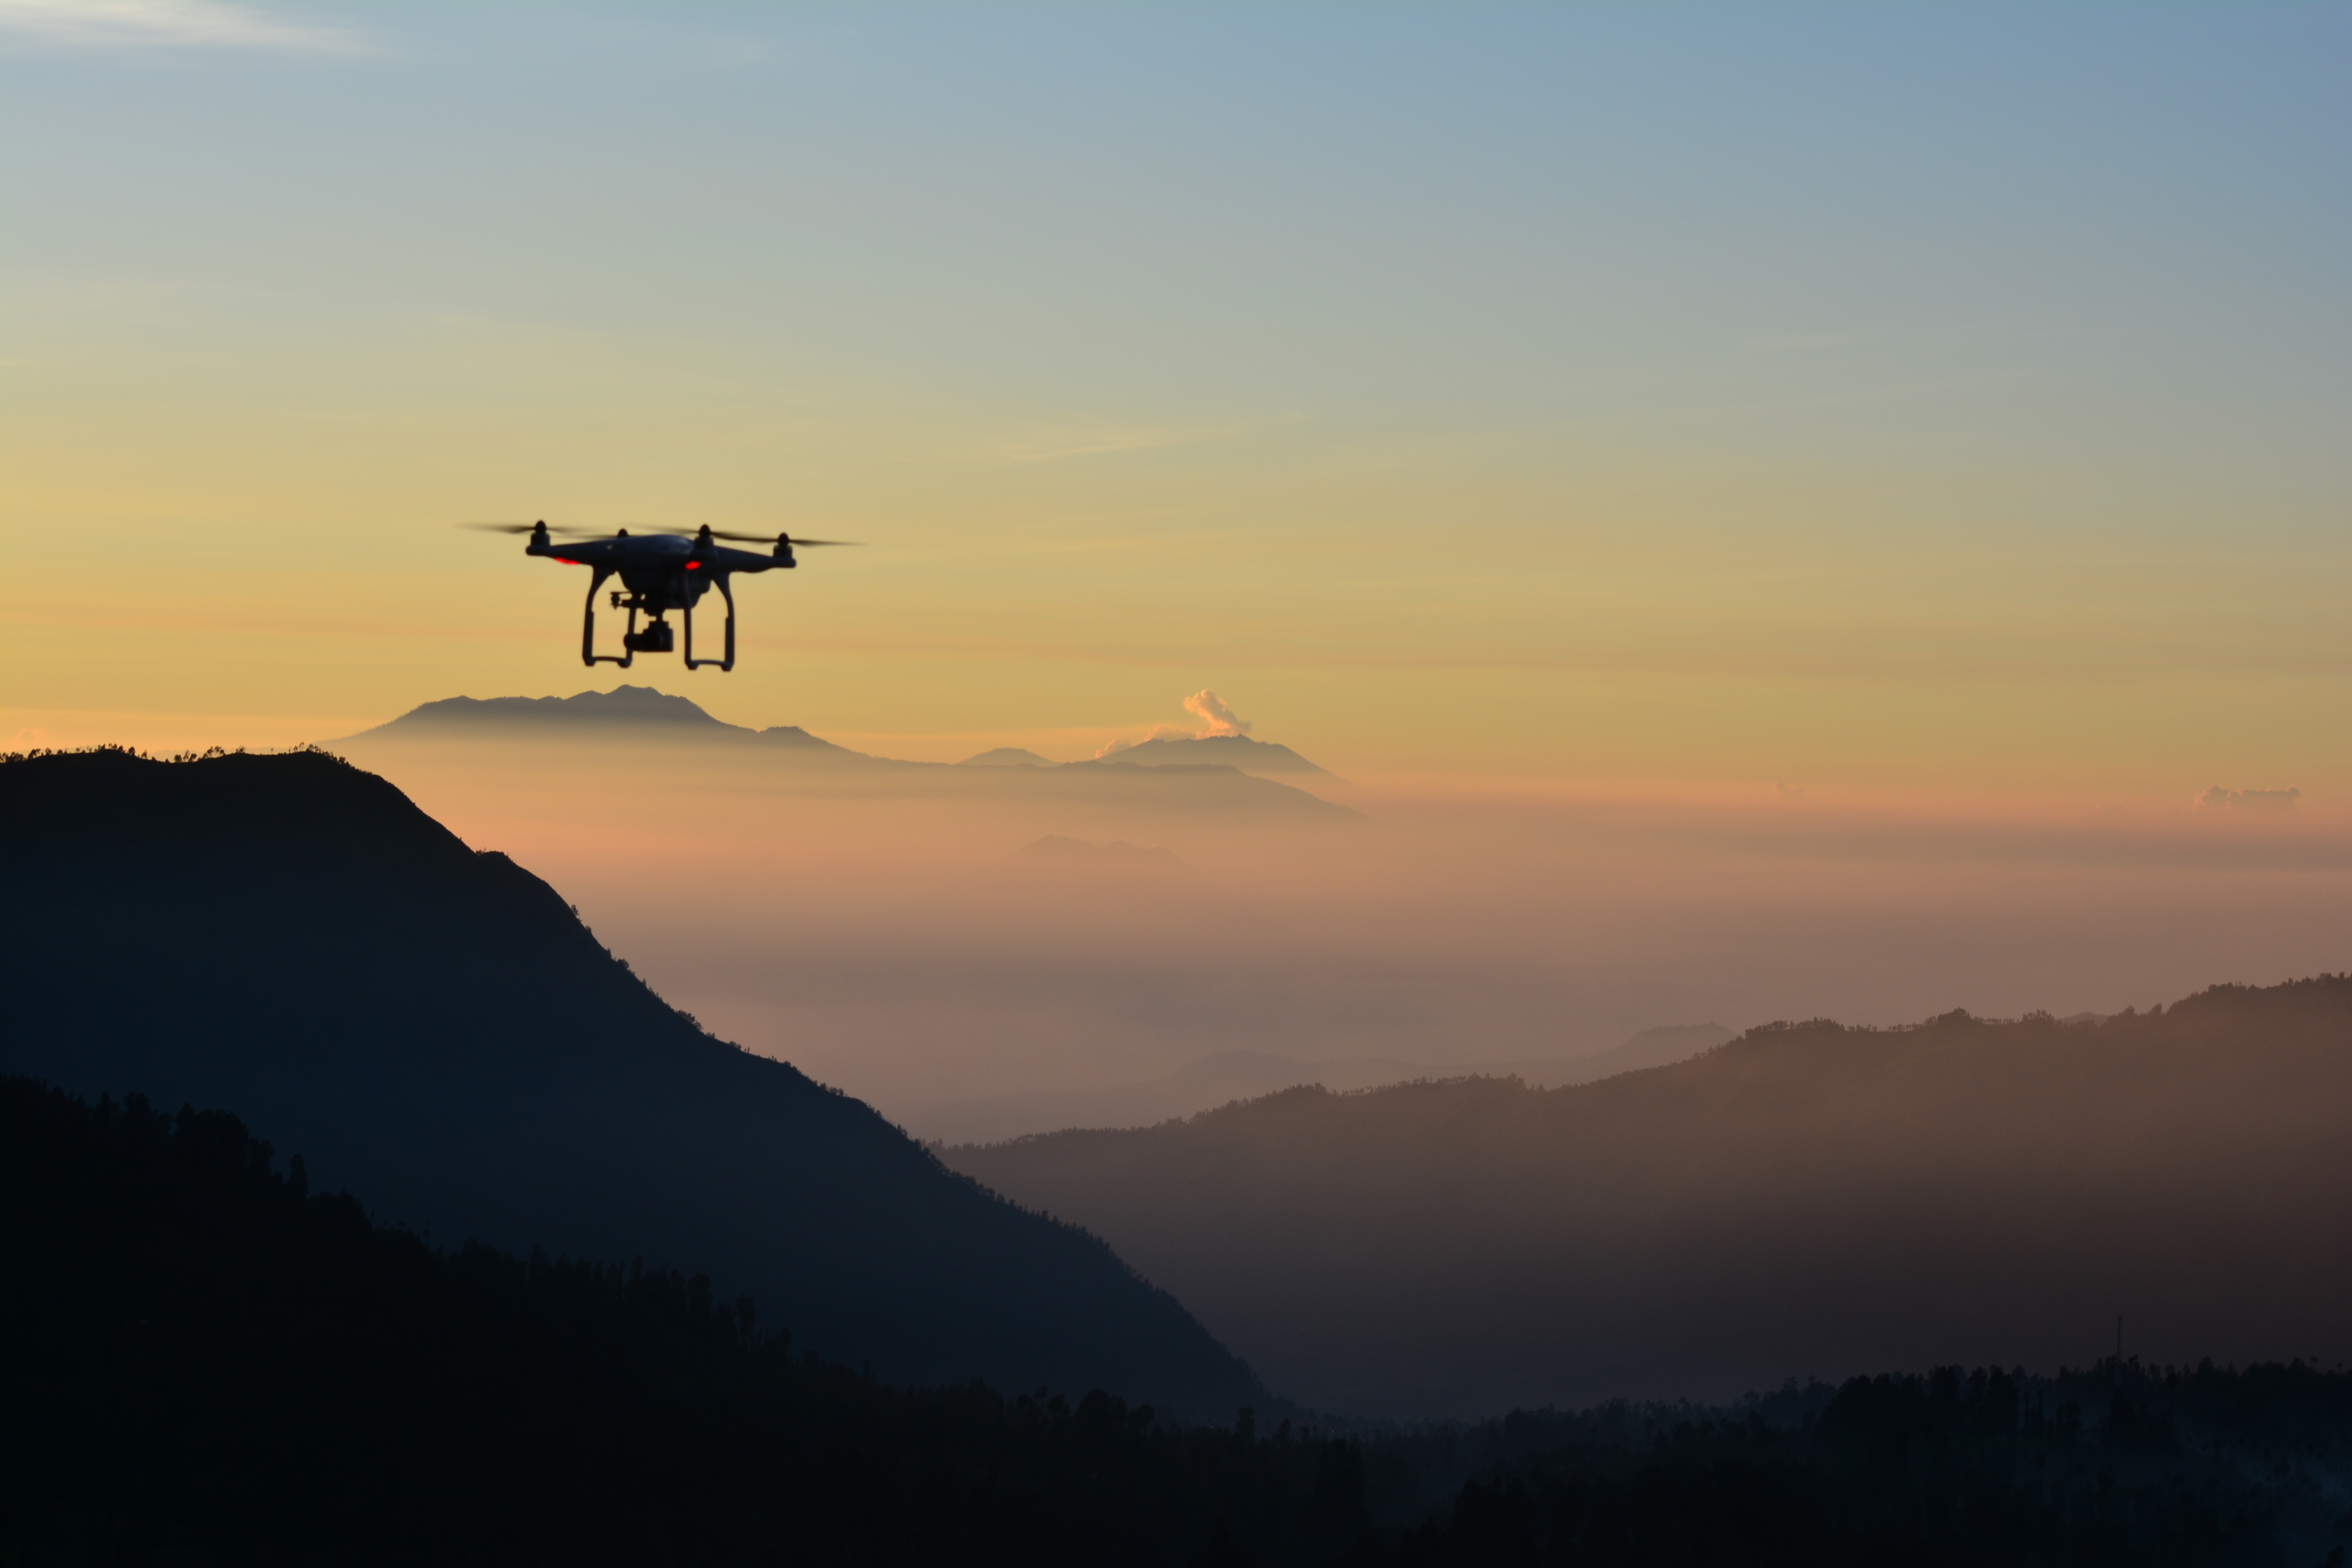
(1234, 751)
(624, 711)
(621, 705)
(642, 711)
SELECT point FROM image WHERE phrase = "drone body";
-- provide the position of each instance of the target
(661, 573)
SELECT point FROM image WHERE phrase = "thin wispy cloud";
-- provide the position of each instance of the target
(148, 23)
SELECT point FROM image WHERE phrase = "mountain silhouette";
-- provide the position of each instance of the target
(1807, 1199)
(218, 1364)
(1652, 1047)
(1225, 1076)
(1232, 751)
(621, 705)
(432, 1026)
(506, 733)
(634, 710)
(1006, 757)
(228, 1367)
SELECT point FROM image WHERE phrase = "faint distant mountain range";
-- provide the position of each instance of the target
(641, 707)
(1808, 1199)
(1140, 779)
(1650, 1048)
(1228, 1075)
(1232, 751)
(432, 1026)
(585, 715)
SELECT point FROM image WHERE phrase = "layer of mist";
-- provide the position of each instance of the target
(889, 927)
(1808, 1201)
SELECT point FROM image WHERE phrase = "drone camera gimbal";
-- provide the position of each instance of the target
(657, 635)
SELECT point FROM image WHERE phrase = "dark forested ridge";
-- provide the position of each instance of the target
(436, 1029)
(2124, 1463)
(210, 1363)
(1808, 1199)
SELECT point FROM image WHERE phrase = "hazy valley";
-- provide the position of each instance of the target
(429, 1025)
(1808, 1201)
(888, 927)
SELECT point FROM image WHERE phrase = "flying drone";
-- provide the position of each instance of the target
(661, 571)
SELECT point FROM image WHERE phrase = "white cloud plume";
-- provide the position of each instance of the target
(1204, 705)
(1211, 710)
(116, 23)
(2220, 799)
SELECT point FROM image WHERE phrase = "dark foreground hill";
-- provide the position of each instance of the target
(213, 1365)
(433, 1028)
(1807, 1200)
(209, 1363)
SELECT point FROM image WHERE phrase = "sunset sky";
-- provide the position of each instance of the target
(1945, 403)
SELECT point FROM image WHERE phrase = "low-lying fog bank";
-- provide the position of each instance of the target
(908, 933)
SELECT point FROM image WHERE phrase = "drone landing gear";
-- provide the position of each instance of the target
(655, 636)
(725, 663)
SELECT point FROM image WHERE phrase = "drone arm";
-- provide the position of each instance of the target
(727, 592)
(588, 654)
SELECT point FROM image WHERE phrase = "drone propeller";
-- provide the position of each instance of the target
(796, 541)
(606, 533)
